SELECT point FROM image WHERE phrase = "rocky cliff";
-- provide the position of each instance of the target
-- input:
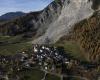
(73, 11)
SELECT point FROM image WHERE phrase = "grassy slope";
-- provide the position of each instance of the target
(52, 77)
(87, 34)
(32, 75)
(72, 48)
(36, 74)
(13, 48)
(14, 44)
(18, 43)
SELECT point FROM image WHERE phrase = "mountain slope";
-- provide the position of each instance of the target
(11, 15)
(35, 22)
(72, 12)
(54, 21)
(87, 34)
(57, 20)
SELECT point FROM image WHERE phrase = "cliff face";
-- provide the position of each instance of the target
(72, 12)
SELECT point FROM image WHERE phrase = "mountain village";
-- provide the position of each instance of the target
(46, 58)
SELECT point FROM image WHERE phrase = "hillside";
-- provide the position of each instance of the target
(60, 42)
(34, 22)
(87, 35)
(52, 22)
(55, 21)
(16, 35)
(72, 12)
(11, 15)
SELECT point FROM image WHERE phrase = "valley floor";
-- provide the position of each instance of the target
(45, 62)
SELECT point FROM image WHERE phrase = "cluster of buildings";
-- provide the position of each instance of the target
(45, 57)
(49, 57)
